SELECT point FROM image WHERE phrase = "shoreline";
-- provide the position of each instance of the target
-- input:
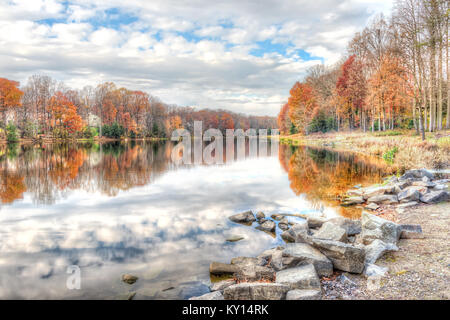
(80, 140)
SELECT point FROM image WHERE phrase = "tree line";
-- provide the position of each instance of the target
(395, 75)
(45, 107)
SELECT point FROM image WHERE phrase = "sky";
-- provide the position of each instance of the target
(238, 55)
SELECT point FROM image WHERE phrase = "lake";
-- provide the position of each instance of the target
(120, 208)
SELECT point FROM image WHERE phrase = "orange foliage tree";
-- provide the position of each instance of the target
(65, 119)
(301, 102)
(10, 96)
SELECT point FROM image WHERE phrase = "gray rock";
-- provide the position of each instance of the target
(315, 221)
(128, 278)
(372, 206)
(374, 227)
(222, 285)
(352, 227)
(246, 261)
(385, 199)
(377, 191)
(216, 295)
(273, 258)
(352, 201)
(277, 217)
(218, 268)
(346, 281)
(331, 231)
(303, 277)
(408, 195)
(298, 254)
(407, 204)
(297, 233)
(267, 225)
(244, 217)
(427, 184)
(440, 187)
(283, 224)
(306, 294)
(260, 215)
(411, 231)
(403, 184)
(422, 190)
(416, 174)
(256, 291)
(376, 249)
(435, 197)
(252, 269)
(344, 256)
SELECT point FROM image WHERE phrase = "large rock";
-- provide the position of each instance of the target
(344, 256)
(260, 215)
(256, 291)
(219, 269)
(374, 227)
(303, 277)
(352, 201)
(427, 184)
(331, 231)
(299, 254)
(267, 225)
(411, 231)
(352, 227)
(376, 249)
(222, 285)
(306, 294)
(377, 191)
(273, 258)
(408, 195)
(384, 198)
(435, 197)
(416, 174)
(297, 233)
(315, 221)
(244, 217)
(217, 295)
(283, 224)
(252, 269)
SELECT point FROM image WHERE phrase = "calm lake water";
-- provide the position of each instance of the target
(127, 208)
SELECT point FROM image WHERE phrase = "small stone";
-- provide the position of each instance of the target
(235, 238)
(277, 217)
(267, 225)
(372, 270)
(305, 294)
(244, 217)
(218, 268)
(128, 278)
(260, 215)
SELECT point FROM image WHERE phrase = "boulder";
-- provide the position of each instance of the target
(403, 184)
(374, 227)
(408, 195)
(351, 227)
(252, 269)
(222, 285)
(267, 225)
(427, 184)
(372, 206)
(273, 258)
(298, 254)
(260, 215)
(315, 221)
(297, 233)
(244, 217)
(376, 249)
(435, 197)
(377, 191)
(440, 187)
(384, 198)
(416, 174)
(422, 190)
(306, 294)
(128, 278)
(216, 295)
(344, 256)
(283, 224)
(411, 231)
(219, 269)
(303, 277)
(256, 291)
(331, 231)
(352, 201)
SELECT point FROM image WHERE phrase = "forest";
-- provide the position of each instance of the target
(395, 75)
(45, 108)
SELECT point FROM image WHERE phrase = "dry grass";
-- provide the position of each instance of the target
(411, 151)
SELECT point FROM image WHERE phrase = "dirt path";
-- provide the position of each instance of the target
(419, 270)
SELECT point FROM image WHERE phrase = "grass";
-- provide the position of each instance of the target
(402, 149)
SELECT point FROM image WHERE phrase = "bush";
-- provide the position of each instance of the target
(114, 131)
(11, 133)
(389, 155)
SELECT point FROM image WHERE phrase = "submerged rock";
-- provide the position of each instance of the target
(344, 256)
(305, 294)
(235, 238)
(331, 231)
(216, 295)
(256, 291)
(244, 217)
(374, 227)
(303, 277)
(298, 254)
(128, 278)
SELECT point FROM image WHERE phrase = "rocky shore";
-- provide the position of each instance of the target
(329, 258)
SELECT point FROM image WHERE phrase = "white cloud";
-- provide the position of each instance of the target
(188, 53)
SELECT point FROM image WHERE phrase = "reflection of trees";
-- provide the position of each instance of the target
(49, 171)
(324, 175)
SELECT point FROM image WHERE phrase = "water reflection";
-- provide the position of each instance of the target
(117, 208)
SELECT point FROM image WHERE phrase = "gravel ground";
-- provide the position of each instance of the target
(419, 270)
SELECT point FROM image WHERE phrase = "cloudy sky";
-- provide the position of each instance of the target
(238, 55)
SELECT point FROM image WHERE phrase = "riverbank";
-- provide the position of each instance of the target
(401, 149)
(81, 140)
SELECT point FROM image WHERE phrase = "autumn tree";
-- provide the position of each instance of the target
(301, 102)
(10, 97)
